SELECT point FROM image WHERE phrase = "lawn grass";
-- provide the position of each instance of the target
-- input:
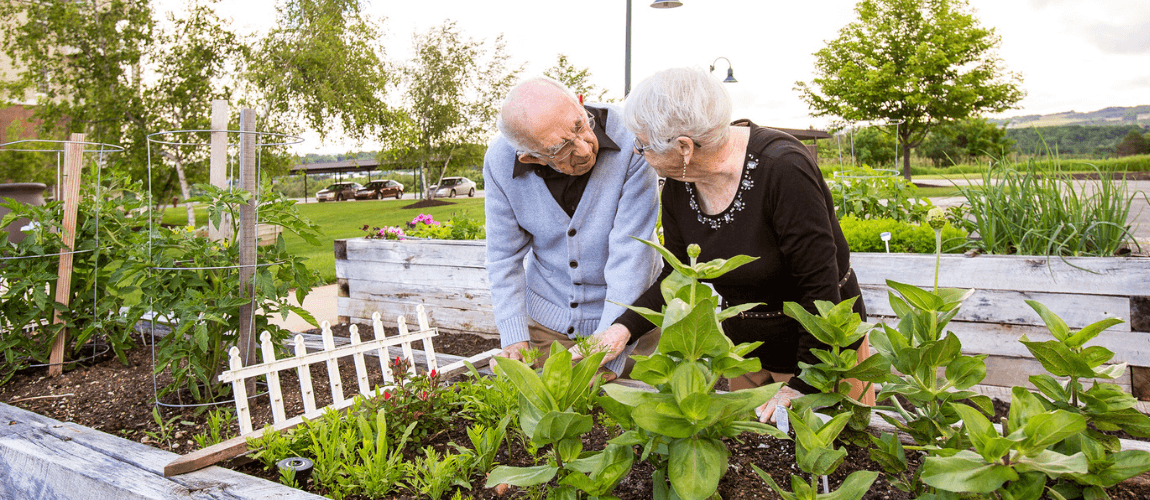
(346, 220)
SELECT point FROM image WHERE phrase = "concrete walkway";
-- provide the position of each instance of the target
(321, 303)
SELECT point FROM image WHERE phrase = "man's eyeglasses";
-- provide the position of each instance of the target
(565, 148)
(640, 149)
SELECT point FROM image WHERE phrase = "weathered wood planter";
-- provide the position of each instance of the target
(45, 458)
(448, 277)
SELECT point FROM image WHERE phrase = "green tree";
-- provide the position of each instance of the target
(82, 60)
(321, 67)
(874, 147)
(1133, 144)
(453, 88)
(576, 79)
(192, 58)
(915, 62)
(965, 140)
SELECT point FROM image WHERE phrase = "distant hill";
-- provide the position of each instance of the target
(1115, 115)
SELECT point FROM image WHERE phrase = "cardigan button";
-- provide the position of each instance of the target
(570, 329)
(574, 305)
(571, 232)
(574, 264)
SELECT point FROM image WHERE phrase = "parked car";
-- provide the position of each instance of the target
(451, 186)
(382, 188)
(339, 191)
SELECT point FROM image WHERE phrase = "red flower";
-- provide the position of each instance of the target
(423, 395)
(433, 374)
(386, 395)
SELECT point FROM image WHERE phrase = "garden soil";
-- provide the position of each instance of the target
(116, 398)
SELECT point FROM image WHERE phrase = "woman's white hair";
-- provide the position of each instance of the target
(512, 115)
(677, 102)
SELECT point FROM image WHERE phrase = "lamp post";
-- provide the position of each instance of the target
(658, 4)
(730, 70)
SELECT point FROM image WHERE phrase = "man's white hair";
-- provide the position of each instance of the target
(512, 120)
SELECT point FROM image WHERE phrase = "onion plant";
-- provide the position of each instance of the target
(1032, 212)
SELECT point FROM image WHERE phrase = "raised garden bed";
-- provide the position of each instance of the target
(449, 278)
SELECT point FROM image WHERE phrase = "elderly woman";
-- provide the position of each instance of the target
(738, 188)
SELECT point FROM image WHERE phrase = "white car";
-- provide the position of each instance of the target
(450, 187)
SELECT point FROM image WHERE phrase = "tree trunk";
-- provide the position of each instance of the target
(429, 194)
(906, 158)
(184, 190)
(444, 169)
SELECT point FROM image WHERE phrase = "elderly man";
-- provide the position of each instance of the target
(564, 187)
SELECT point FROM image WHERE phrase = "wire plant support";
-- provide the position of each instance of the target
(67, 156)
(232, 165)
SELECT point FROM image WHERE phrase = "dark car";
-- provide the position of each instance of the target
(452, 186)
(382, 188)
(339, 191)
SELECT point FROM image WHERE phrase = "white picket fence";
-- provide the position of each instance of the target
(301, 361)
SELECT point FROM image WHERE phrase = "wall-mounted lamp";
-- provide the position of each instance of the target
(730, 70)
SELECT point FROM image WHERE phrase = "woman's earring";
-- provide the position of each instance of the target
(684, 174)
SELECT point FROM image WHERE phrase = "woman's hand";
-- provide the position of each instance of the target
(766, 412)
(611, 341)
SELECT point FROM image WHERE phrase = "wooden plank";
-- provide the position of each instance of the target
(315, 343)
(479, 360)
(246, 340)
(466, 253)
(394, 272)
(1097, 276)
(211, 483)
(73, 163)
(218, 158)
(1009, 306)
(1002, 340)
(466, 320)
(450, 294)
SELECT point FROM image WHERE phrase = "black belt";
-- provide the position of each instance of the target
(776, 314)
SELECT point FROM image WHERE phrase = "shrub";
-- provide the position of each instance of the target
(905, 237)
(868, 194)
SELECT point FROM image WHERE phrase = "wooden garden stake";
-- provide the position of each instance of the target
(73, 160)
(247, 239)
(218, 162)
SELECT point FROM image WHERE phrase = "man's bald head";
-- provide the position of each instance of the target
(527, 106)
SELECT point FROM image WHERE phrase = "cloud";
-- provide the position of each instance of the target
(1129, 37)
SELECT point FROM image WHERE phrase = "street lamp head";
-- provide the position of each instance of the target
(666, 4)
(730, 70)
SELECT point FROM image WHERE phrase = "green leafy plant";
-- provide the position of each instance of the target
(460, 227)
(485, 442)
(864, 235)
(418, 399)
(1014, 463)
(104, 279)
(839, 327)
(680, 427)
(433, 476)
(816, 455)
(194, 284)
(1106, 407)
(165, 428)
(487, 400)
(219, 428)
(866, 193)
(549, 404)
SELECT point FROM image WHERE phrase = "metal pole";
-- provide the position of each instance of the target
(627, 55)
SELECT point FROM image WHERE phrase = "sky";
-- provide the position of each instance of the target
(1073, 55)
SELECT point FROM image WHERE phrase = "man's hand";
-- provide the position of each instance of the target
(766, 412)
(611, 341)
(514, 351)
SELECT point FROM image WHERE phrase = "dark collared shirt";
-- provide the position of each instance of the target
(568, 189)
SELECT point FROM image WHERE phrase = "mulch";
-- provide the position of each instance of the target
(429, 203)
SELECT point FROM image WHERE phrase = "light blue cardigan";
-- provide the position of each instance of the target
(569, 282)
